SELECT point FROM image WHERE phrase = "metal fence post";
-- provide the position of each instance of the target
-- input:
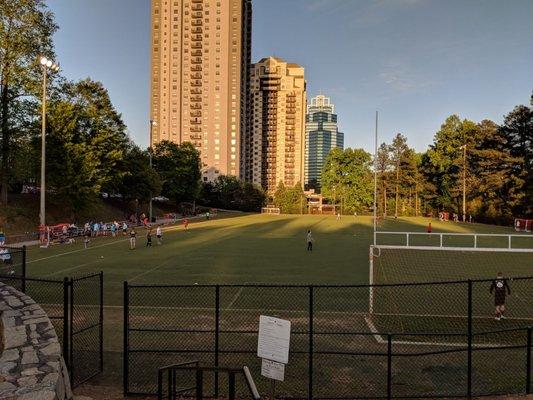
(23, 286)
(528, 360)
(101, 321)
(389, 366)
(199, 384)
(231, 386)
(311, 350)
(469, 338)
(217, 334)
(66, 323)
(71, 333)
(126, 343)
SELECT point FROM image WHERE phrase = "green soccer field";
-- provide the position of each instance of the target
(258, 249)
(270, 249)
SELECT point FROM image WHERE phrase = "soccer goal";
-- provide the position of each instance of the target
(426, 290)
(271, 210)
(523, 225)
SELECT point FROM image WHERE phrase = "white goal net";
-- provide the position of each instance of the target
(426, 289)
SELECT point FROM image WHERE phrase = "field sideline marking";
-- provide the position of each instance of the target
(71, 268)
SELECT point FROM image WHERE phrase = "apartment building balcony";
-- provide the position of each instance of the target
(197, 30)
(196, 53)
(195, 121)
(195, 136)
(195, 106)
(196, 38)
(196, 91)
(196, 113)
(196, 129)
(197, 1)
(197, 7)
(196, 83)
(196, 75)
(196, 60)
(196, 99)
(197, 22)
(196, 68)
(196, 45)
(196, 14)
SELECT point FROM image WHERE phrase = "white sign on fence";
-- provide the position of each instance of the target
(274, 339)
(273, 370)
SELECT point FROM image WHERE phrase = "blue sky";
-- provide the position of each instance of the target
(416, 61)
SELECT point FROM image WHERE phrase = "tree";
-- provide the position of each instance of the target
(289, 199)
(179, 169)
(140, 181)
(86, 142)
(399, 151)
(231, 193)
(443, 163)
(497, 186)
(517, 130)
(26, 29)
(347, 176)
(384, 167)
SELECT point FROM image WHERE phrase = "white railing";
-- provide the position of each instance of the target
(441, 236)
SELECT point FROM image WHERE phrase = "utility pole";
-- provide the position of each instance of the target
(464, 182)
(375, 176)
(152, 124)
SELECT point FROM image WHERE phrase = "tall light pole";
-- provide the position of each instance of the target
(46, 65)
(152, 124)
(463, 147)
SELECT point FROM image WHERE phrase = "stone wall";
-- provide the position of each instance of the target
(31, 364)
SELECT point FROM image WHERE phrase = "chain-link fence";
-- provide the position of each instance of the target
(13, 264)
(416, 340)
(75, 308)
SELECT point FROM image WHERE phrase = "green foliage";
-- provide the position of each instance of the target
(231, 193)
(139, 181)
(179, 169)
(346, 177)
(26, 30)
(86, 142)
(291, 200)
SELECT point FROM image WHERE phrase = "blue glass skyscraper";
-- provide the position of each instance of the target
(321, 136)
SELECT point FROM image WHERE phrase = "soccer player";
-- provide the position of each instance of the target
(309, 241)
(149, 238)
(186, 223)
(124, 228)
(159, 234)
(133, 238)
(86, 239)
(430, 229)
(500, 288)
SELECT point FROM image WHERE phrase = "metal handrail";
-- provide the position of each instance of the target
(198, 387)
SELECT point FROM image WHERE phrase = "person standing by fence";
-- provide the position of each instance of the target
(500, 288)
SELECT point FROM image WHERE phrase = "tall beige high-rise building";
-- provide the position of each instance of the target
(275, 143)
(201, 53)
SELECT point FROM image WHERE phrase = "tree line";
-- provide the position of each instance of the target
(88, 148)
(494, 163)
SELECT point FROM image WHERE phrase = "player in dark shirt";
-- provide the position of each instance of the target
(500, 288)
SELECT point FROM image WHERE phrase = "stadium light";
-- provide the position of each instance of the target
(46, 65)
(152, 124)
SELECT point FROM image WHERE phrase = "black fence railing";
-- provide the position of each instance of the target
(347, 341)
(175, 381)
(75, 308)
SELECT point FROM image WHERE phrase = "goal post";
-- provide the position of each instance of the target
(523, 225)
(271, 210)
